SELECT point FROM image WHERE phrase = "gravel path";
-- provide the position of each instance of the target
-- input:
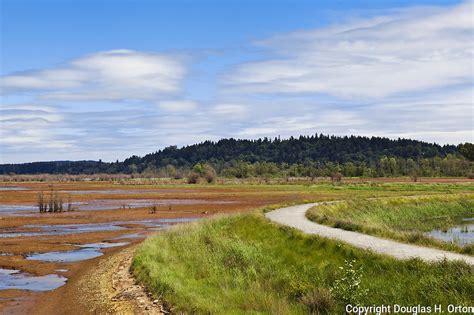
(295, 217)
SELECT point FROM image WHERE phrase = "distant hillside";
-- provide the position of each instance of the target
(305, 150)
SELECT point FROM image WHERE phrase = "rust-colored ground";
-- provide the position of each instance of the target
(53, 302)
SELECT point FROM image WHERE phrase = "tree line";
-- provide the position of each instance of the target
(309, 156)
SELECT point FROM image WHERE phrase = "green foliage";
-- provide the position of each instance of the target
(347, 287)
(245, 264)
(193, 178)
(401, 218)
(467, 150)
(319, 301)
(202, 170)
(310, 156)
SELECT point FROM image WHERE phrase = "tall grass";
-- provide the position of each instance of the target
(245, 264)
(401, 218)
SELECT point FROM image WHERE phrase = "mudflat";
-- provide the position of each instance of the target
(41, 246)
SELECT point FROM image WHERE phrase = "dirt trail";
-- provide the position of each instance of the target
(111, 289)
(295, 217)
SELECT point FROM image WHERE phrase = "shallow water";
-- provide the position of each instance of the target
(131, 235)
(111, 204)
(14, 279)
(159, 222)
(127, 191)
(13, 209)
(102, 245)
(64, 229)
(461, 235)
(9, 188)
(87, 251)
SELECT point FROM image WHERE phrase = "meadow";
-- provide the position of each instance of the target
(406, 219)
(245, 264)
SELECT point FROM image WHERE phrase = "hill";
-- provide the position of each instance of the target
(320, 152)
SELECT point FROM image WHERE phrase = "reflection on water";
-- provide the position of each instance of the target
(64, 229)
(131, 235)
(127, 191)
(87, 251)
(13, 209)
(111, 204)
(461, 235)
(14, 188)
(14, 279)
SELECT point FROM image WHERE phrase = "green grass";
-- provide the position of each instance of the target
(245, 264)
(404, 219)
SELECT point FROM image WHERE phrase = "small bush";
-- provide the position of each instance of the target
(210, 176)
(348, 287)
(336, 177)
(193, 178)
(415, 237)
(202, 170)
(468, 249)
(319, 301)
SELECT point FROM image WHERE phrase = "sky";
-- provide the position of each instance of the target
(102, 79)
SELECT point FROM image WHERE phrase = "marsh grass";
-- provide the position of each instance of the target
(401, 218)
(245, 264)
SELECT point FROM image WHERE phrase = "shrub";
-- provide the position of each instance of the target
(347, 288)
(210, 175)
(336, 177)
(193, 178)
(319, 301)
(202, 170)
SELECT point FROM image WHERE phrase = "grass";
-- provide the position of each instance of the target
(245, 264)
(400, 218)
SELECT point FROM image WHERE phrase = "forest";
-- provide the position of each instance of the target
(308, 156)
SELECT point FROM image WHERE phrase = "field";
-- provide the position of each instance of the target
(118, 213)
(245, 264)
(405, 219)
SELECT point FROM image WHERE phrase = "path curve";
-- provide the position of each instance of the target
(295, 216)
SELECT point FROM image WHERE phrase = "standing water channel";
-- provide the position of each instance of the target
(17, 279)
(461, 235)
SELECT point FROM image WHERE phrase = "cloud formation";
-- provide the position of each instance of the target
(408, 73)
(410, 51)
(178, 105)
(110, 75)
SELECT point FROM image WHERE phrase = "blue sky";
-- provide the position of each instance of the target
(108, 79)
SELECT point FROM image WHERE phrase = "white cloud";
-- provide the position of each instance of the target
(28, 115)
(229, 110)
(407, 74)
(110, 75)
(24, 128)
(178, 105)
(410, 51)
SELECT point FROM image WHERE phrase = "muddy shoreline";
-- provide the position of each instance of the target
(48, 245)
